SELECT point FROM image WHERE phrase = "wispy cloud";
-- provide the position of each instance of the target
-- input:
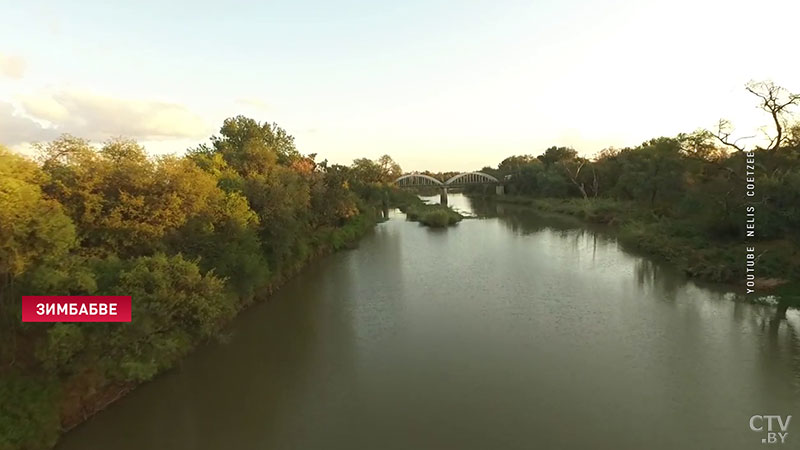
(99, 117)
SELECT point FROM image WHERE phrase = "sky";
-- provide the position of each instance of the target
(438, 85)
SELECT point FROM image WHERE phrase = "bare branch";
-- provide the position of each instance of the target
(574, 178)
(776, 101)
(723, 135)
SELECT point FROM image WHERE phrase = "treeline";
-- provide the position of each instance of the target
(684, 197)
(682, 177)
(193, 239)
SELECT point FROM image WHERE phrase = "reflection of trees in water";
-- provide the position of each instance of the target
(522, 223)
(586, 238)
(645, 273)
(484, 207)
(524, 220)
(580, 239)
(652, 276)
(780, 340)
(527, 221)
(781, 343)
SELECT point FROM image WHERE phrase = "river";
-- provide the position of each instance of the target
(508, 331)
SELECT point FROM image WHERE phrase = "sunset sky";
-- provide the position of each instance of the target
(439, 85)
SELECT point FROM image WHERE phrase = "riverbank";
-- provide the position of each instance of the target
(700, 256)
(325, 242)
(56, 405)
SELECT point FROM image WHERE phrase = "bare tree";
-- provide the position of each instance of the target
(776, 101)
(723, 134)
(574, 177)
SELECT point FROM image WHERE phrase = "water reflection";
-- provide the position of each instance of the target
(658, 280)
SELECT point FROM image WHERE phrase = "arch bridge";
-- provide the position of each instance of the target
(417, 179)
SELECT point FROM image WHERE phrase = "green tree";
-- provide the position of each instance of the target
(175, 306)
(122, 201)
(33, 228)
(35, 236)
(554, 155)
(251, 147)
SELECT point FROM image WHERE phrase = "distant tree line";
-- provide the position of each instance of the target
(684, 198)
(193, 239)
(698, 177)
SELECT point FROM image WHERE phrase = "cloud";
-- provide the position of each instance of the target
(12, 66)
(45, 107)
(15, 129)
(98, 117)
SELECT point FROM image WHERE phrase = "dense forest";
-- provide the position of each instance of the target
(685, 197)
(193, 239)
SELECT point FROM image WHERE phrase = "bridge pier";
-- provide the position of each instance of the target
(499, 189)
(443, 196)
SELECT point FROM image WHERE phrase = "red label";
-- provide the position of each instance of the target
(76, 308)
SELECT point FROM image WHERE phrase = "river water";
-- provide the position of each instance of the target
(508, 331)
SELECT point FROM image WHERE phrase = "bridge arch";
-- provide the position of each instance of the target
(417, 179)
(471, 178)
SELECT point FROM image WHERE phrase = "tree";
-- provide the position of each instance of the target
(175, 305)
(33, 228)
(225, 238)
(366, 170)
(572, 168)
(555, 154)
(123, 201)
(793, 136)
(777, 102)
(652, 170)
(514, 164)
(332, 201)
(192, 239)
(35, 235)
(251, 147)
(389, 169)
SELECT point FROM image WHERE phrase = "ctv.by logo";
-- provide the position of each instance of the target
(773, 437)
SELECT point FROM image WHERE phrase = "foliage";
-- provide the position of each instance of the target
(33, 229)
(175, 306)
(27, 416)
(683, 197)
(436, 216)
(192, 239)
